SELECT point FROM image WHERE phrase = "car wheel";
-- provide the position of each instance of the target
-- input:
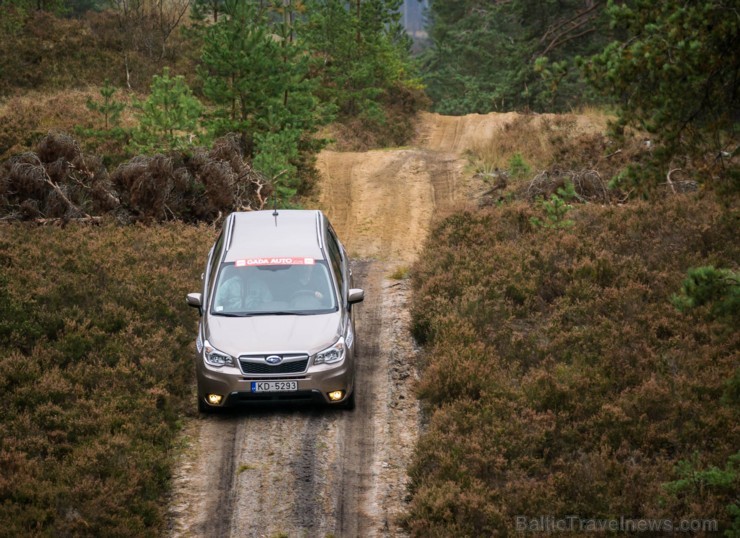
(203, 407)
(349, 404)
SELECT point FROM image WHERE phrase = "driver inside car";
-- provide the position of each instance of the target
(311, 279)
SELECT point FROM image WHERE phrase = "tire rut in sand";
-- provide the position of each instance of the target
(357, 432)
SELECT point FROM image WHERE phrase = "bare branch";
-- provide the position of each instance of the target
(563, 30)
(39, 166)
(670, 181)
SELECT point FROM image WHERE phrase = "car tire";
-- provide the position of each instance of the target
(349, 404)
(204, 408)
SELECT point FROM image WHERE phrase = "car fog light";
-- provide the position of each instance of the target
(336, 395)
(214, 399)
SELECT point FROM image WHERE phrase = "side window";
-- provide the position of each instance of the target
(335, 257)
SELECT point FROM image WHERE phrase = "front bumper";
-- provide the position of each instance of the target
(314, 385)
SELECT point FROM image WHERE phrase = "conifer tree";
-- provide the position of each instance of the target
(168, 118)
(255, 69)
(110, 138)
(518, 54)
(676, 77)
(363, 52)
(109, 108)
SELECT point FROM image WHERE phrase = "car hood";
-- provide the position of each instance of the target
(273, 334)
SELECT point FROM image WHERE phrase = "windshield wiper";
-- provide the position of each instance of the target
(230, 314)
(281, 313)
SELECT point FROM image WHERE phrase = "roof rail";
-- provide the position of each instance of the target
(229, 231)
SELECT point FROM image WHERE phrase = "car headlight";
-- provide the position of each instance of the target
(214, 357)
(331, 354)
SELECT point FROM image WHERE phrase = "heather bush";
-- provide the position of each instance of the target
(50, 51)
(95, 369)
(558, 376)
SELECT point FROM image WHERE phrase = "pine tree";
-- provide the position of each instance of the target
(255, 70)
(364, 55)
(169, 117)
(518, 54)
(107, 137)
(109, 108)
(676, 77)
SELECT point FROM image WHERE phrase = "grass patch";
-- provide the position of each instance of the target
(245, 467)
(96, 346)
(559, 377)
(402, 272)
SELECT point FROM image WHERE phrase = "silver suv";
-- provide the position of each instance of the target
(276, 313)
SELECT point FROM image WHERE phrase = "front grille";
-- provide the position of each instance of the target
(286, 367)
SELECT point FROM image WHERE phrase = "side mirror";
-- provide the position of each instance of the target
(356, 295)
(195, 300)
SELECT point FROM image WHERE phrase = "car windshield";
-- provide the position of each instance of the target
(299, 289)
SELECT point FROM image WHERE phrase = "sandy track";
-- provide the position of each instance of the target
(316, 472)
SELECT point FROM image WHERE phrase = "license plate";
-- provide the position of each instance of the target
(274, 386)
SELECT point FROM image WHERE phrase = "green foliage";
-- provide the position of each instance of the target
(256, 72)
(717, 288)
(518, 167)
(694, 481)
(12, 20)
(95, 371)
(675, 77)
(58, 7)
(519, 54)
(276, 154)
(78, 8)
(109, 108)
(556, 209)
(109, 137)
(168, 118)
(557, 378)
(363, 62)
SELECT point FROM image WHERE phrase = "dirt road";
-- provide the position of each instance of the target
(307, 472)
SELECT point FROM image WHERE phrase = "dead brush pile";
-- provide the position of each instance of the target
(560, 379)
(57, 181)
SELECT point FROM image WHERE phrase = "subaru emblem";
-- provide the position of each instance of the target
(273, 359)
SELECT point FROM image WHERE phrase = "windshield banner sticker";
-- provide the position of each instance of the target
(249, 262)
